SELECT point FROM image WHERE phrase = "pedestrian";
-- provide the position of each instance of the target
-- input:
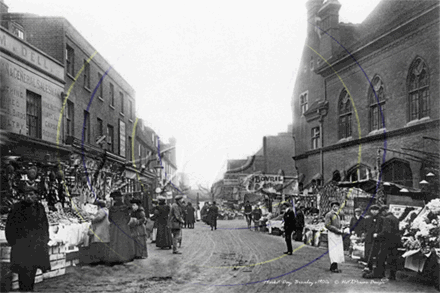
(121, 248)
(204, 212)
(101, 232)
(212, 216)
(256, 216)
(335, 242)
(289, 226)
(374, 226)
(248, 213)
(184, 212)
(137, 228)
(357, 223)
(175, 223)
(154, 213)
(190, 215)
(389, 239)
(162, 212)
(27, 232)
(299, 224)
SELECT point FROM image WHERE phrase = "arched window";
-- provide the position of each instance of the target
(344, 115)
(418, 90)
(397, 171)
(359, 172)
(377, 104)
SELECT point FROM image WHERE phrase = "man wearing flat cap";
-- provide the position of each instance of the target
(335, 241)
(357, 223)
(373, 239)
(175, 222)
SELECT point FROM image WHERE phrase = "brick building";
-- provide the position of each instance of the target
(95, 103)
(368, 88)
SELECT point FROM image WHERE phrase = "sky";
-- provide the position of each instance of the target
(216, 75)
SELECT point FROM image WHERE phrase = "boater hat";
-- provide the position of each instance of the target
(178, 197)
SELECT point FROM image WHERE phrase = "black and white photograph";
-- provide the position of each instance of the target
(219, 146)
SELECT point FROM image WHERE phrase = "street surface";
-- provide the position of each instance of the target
(230, 259)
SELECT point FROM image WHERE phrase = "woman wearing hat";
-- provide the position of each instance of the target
(163, 236)
(101, 232)
(138, 231)
(335, 242)
(121, 248)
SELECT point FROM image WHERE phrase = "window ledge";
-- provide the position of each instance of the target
(112, 107)
(122, 114)
(418, 121)
(129, 120)
(377, 131)
(345, 139)
(70, 76)
(101, 99)
(87, 89)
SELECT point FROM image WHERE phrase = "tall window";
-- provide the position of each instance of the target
(70, 60)
(303, 100)
(129, 153)
(122, 101)
(397, 171)
(315, 138)
(33, 114)
(100, 89)
(418, 90)
(110, 138)
(112, 95)
(69, 119)
(86, 74)
(130, 104)
(344, 115)
(100, 127)
(377, 104)
(86, 130)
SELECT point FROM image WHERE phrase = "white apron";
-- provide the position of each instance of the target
(336, 248)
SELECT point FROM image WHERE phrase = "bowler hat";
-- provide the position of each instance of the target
(383, 208)
(358, 210)
(335, 203)
(374, 207)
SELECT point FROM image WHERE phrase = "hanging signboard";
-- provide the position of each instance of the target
(267, 183)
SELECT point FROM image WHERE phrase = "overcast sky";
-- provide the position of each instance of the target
(216, 75)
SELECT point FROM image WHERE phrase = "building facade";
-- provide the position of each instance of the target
(365, 103)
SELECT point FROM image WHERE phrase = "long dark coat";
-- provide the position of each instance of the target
(163, 236)
(121, 248)
(289, 221)
(372, 245)
(190, 219)
(212, 216)
(138, 232)
(27, 232)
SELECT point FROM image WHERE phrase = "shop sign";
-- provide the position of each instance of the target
(398, 209)
(267, 183)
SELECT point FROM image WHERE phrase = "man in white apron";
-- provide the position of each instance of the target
(335, 241)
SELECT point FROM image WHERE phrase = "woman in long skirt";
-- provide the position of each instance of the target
(163, 237)
(138, 231)
(121, 248)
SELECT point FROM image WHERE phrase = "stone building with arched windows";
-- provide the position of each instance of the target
(366, 99)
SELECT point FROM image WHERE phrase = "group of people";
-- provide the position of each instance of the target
(293, 224)
(382, 239)
(209, 214)
(252, 215)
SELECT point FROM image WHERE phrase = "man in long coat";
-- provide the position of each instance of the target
(212, 216)
(27, 232)
(373, 238)
(299, 224)
(190, 217)
(335, 243)
(137, 227)
(163, 236)
(289, 226)
(175, 222)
